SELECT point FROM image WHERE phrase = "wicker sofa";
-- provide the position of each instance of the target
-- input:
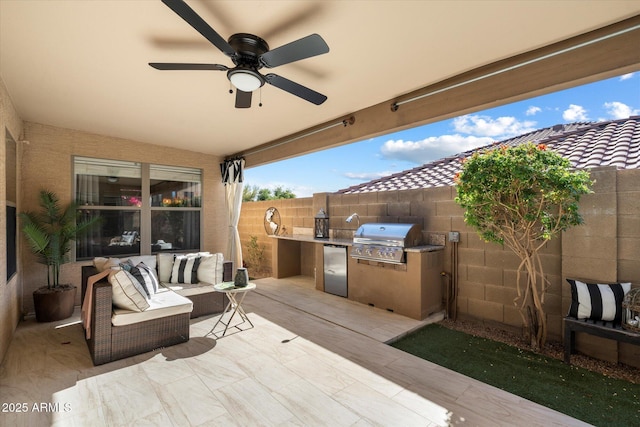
(107, 342)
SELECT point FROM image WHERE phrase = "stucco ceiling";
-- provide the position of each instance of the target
(83, 64)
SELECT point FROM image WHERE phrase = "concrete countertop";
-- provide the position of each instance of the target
(349, 242)
(311, 239)
(425, 248)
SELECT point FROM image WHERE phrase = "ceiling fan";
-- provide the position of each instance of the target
(250, 53)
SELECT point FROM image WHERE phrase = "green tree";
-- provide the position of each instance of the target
(264, 194)
(522, 197)
(249, 193)
(281, 193)
(253, 193)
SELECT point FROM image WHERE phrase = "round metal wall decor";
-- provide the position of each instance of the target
(272, 222)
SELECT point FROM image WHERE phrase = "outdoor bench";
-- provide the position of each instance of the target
(600, 328)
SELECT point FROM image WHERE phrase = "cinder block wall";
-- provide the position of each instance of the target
(604, 248)
(628, 245)
(296, 217)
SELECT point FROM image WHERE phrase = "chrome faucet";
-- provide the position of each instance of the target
(351, 217)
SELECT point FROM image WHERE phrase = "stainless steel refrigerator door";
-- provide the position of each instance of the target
(335, 270)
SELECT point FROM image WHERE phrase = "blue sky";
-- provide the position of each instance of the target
(341, 167)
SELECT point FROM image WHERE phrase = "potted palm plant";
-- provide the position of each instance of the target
(50, 233)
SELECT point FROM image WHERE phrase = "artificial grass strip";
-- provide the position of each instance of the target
(577, 392)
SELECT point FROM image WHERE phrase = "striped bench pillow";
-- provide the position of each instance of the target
(597, 301)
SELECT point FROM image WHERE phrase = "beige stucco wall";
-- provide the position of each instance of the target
(10, 293)
(604, 248)
(47, 163)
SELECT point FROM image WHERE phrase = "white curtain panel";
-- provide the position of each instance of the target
(232, 177)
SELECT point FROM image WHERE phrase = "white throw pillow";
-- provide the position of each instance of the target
(597, 301)
(185, 269)
(127, 291)
(210, 269)
(146, 277)
(165, 265)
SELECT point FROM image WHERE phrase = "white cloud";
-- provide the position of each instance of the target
(533, 110)
(366, 176)
(575, 113)
(626, 76)
(472, 131)
(499, 128)
(432, 148)
(618, 110)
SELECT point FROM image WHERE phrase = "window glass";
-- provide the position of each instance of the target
(175, 230)
(11, 198)
(108, 182)
(112, 190)
(174, 186)
(118, 233)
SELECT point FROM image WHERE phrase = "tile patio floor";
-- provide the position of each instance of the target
(312, 359)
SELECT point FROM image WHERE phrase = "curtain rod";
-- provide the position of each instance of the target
(351, 120)
(396, 105)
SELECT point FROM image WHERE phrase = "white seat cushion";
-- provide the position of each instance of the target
(188, 289)
(164, 303)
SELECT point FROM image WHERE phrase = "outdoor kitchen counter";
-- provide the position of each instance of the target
(412, 288)
(311, 239)
(349, 242)
(425, 248)
(301, 254)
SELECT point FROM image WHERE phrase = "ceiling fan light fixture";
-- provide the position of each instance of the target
(245, 80)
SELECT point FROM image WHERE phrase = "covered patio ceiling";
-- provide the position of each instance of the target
(84, 66)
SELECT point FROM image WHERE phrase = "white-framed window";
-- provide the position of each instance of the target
(144, 208)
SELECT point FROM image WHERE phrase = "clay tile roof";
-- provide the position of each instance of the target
(586, 145)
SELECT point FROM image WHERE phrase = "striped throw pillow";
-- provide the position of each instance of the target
(147, 278)
(597, 301)
(185, 269)
(127, 291)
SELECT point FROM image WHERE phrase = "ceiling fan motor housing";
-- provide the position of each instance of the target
(248, 49)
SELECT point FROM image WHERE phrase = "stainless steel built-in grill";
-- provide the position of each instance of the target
(385, 242)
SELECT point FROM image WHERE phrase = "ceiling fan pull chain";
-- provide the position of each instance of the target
(260, 103)
(230, 87)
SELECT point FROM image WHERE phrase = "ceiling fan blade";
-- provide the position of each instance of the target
(192, 18)
(303, 48)
(182, 66)
(296, 18)
(243, 99)
(295, 89)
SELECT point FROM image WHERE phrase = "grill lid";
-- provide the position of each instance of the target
(385, 242)
(403, 235)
